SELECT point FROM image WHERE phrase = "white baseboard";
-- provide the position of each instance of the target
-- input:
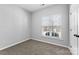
(54, 44)
(71, 51)
(50, 42)
(14, 44)
(32, 39)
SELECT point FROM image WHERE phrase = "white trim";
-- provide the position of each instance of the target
(55, 44)
(14, 44)
(33, 39)
(50, 43)
(71, 51)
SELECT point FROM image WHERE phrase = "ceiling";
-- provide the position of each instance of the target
(33, 7)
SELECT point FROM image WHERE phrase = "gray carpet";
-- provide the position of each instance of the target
(32, 47)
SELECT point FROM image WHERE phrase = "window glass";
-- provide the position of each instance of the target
(52, 26)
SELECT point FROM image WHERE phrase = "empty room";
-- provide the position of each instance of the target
(39, 29)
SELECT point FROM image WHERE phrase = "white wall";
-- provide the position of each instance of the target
(36, 23)
(14, 25)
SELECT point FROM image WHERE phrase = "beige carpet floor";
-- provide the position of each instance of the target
(32, 47)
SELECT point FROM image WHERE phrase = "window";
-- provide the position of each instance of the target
(52, 26)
